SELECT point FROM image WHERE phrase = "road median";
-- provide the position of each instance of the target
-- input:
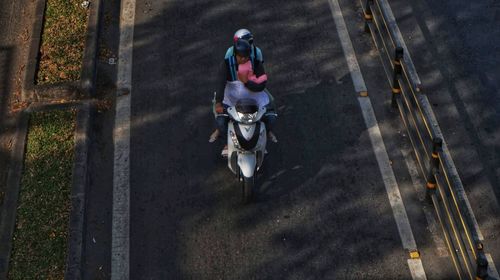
(40, 235)
(63, 50)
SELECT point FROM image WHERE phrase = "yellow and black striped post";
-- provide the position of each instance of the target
(368, 15)
(437, 144)
(398, 69)
(430, 187)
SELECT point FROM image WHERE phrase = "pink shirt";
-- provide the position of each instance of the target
(245, 70)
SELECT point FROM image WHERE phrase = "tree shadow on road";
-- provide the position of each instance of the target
(321, 204)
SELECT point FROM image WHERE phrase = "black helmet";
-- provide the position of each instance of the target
(244, 34)
(242, 48)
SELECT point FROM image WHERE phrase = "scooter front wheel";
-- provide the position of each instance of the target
(247, 189)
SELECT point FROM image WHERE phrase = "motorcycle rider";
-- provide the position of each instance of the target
(241, 53)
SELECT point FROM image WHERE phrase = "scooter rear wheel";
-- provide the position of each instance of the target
(247, 189)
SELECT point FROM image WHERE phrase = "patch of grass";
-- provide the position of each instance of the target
(63, 41)
(41, 233)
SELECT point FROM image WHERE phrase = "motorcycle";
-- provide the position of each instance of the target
(246, 139)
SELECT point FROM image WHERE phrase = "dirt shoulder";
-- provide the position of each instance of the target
(16, 19)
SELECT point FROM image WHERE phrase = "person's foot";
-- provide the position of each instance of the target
(214, 136)
(272, 137)
(224, 151)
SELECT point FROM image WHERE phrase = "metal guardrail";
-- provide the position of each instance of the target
(444, 188)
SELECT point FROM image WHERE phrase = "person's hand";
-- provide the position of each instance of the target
(218, 108)
(253, 86)
(243, 78)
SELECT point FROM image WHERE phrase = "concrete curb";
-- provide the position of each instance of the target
(89, 64)
(13, 183)
(88, 76)
(74, 259)
(66, 91)
(28, 83)
(85, 87)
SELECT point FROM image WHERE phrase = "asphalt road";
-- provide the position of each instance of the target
(455, 49)
(315, 217)
(321, 212)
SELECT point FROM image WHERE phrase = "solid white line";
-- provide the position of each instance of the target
(120, 243)
(416, 269)
(388, 177)
(390, 183)
(419, 186)
(345, 40)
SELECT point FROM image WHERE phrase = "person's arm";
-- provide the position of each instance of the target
(258, 71)
(258, 55)
(222, 74)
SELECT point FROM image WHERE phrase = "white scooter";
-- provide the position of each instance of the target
(246, 140)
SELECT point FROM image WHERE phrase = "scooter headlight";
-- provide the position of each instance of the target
(247, 117)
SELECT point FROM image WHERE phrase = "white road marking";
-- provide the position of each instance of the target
(388, 177)
(419, 186)
(120, 243)
(345, 40)
(416, 269)
(390, 183)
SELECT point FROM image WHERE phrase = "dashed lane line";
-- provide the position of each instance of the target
(120, 243)
(390, 183)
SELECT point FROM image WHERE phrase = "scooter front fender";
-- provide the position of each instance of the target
(247, 162)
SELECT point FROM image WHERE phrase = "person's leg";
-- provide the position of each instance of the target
(221, 131)
(221, 123)
(270, 118)
(271, 106)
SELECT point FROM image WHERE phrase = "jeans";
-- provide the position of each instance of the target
(222, 121)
